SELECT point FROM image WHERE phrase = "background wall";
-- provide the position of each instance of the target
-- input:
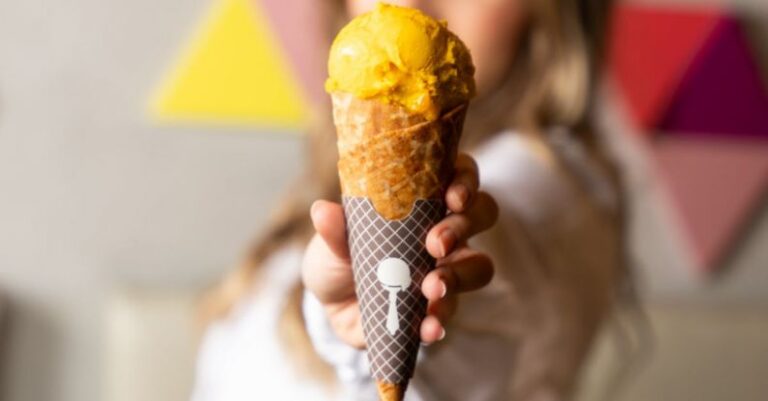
(95, 198)
(664, 274)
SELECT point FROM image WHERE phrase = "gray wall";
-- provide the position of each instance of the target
(92, 196)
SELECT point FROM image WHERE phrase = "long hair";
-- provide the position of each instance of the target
(552, 83)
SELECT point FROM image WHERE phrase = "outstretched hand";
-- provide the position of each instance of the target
(327, 269)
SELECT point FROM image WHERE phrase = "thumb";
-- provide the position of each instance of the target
(328, 220)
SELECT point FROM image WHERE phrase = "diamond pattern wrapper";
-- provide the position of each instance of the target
(373, 239)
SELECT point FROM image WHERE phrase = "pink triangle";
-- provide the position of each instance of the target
(723, 92)
(714, 185)
(651, 50)
(299, 25)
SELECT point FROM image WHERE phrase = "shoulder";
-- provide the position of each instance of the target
(534, 174)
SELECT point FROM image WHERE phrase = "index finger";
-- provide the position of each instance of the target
(465, 270)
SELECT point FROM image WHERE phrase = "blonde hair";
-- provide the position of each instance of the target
(551, 83)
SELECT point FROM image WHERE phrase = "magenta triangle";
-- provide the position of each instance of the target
(723, 92)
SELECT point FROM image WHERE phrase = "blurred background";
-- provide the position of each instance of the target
(132, 176)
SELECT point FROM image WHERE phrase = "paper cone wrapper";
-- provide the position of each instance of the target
(394, 169)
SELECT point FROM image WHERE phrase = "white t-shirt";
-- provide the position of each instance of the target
(241, 358)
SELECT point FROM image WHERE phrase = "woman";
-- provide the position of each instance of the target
(289, 313)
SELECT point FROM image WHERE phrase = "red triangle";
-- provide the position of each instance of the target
(714, 186)
(650, 52)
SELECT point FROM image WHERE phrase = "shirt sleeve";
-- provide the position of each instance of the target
(350, 364)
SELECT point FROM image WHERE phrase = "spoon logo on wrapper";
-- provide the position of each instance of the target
(395, 276)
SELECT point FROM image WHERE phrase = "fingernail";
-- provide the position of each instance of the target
(447, 240)
(443, 289)
(463, 193)
(442, 335)
(312, 209)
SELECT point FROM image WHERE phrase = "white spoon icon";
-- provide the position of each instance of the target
(395, 276)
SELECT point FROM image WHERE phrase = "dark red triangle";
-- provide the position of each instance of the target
(723, 92)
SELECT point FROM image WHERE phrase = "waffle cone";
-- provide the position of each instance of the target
(394, 167)
(394, 157)
(391, 392)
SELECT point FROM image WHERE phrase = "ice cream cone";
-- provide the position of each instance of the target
(400, 83)
(394, 168)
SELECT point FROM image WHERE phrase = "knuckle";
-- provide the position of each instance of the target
(467, 163)
(485, 269)
(448, 276)
(487, 208)
(461, 224)
(469, 160)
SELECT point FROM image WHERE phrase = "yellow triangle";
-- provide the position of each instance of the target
(233, 73)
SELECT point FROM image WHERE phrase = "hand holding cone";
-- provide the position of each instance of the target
(400, 83)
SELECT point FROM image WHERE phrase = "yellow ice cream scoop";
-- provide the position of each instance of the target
(402, 56)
